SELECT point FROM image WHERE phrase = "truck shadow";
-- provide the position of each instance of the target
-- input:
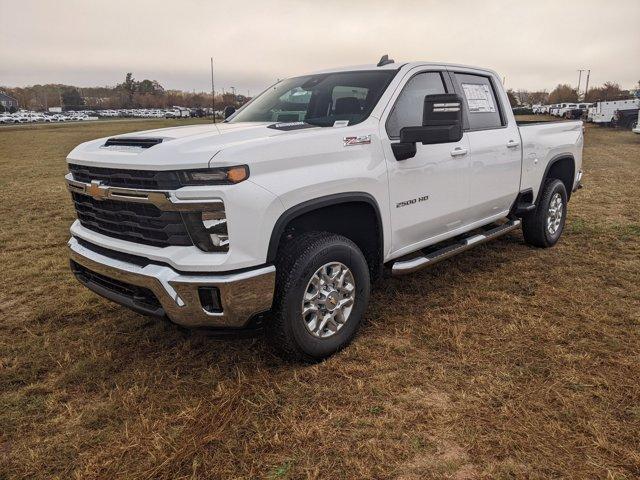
(400, 301)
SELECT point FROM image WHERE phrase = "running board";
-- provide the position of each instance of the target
(403, 267)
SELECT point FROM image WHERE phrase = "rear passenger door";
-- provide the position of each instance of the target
(494, 145)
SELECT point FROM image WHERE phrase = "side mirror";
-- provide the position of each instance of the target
(441, 123)
(228, 111)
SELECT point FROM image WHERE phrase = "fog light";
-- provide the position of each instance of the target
(210, 299)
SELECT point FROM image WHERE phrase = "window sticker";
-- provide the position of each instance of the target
(479, 98)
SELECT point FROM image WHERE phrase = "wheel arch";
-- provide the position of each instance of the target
(562, 167)
(319, 208)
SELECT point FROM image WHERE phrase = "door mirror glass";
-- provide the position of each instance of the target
(441, 121)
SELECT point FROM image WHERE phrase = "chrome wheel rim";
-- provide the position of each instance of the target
(328, 300)
(554, 215)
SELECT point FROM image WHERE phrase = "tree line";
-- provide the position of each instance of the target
(131, 93)
(146, 93)
(565, 93)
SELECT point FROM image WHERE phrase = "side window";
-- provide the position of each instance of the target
(407, 112)
(482, 106)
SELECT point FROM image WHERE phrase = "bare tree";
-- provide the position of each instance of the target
(608, 91)
(563, 93)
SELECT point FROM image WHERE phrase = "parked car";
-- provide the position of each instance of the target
(393, 168)
(637, 127)
(555, 109)
(577, 113)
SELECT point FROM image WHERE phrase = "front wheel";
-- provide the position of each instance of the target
(322, 291)
(543, 227)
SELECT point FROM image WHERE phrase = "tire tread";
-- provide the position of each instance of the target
(290, 260)
(534, 224)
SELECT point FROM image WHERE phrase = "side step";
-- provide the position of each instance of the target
(403, 267)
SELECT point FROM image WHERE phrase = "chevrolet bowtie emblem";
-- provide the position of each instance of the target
(97, 190)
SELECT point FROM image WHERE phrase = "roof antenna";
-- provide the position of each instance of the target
(385, 60)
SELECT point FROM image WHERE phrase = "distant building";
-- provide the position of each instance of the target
(7, 101)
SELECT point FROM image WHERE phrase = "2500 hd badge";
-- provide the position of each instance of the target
(424, 198)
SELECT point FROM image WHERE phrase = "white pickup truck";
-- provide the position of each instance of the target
(282, 216)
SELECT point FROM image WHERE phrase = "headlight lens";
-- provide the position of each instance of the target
(214, 176)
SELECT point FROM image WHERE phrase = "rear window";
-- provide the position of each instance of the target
(480, 100)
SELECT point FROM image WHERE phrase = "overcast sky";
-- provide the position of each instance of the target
(535, 44)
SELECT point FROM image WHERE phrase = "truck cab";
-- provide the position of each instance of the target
(283, 216)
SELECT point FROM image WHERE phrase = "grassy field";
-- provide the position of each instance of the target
(504, 362)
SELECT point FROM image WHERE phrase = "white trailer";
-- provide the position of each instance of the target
(603, 112)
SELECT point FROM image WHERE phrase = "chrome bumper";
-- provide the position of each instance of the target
(242, 295)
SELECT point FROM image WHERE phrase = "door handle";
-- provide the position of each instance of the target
(512, 144)
(459, 152)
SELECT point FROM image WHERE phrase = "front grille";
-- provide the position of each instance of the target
(140, 296)
(114, 177)
(134, 222)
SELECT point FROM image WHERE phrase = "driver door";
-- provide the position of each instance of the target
(428, 192)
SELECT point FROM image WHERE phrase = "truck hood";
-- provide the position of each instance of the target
(191, 146)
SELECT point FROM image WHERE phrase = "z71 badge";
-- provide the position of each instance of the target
(424, 198)
(359, 140)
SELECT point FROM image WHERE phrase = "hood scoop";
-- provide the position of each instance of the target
(132, 142)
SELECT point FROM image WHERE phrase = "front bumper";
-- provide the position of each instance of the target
(242, 294)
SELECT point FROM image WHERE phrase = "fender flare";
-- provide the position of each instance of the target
(554, 160)
(315, 204)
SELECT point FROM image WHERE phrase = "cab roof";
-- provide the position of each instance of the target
(397, 66)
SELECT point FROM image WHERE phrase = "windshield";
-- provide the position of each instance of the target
(321, 99)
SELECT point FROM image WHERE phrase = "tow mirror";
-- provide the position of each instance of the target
(228, 111)
(441, 123)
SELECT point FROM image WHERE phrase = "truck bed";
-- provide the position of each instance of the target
(542, 142)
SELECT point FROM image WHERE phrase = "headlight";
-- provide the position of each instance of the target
(214, 176)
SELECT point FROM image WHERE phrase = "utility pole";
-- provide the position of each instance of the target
(579, 81)
(213, 94)
(586, 88)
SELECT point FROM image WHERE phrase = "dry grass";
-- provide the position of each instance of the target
(505, 362)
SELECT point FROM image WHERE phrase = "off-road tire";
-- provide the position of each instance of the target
(296, 263)
(534, 225)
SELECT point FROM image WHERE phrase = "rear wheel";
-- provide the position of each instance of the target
(544, 226)
(322, 291)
